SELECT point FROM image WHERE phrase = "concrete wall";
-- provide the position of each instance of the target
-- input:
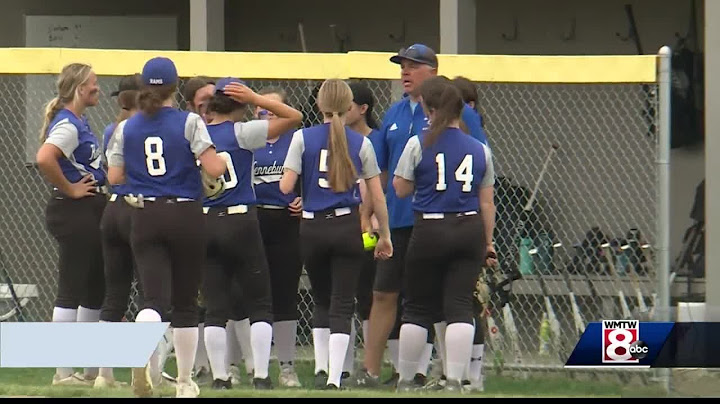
(12, 31)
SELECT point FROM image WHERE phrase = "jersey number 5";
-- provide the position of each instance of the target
(322, 182)
(464, 172)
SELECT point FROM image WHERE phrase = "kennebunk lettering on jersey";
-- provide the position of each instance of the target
(269, 170)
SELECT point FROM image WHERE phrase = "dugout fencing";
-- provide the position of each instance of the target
(605, 184)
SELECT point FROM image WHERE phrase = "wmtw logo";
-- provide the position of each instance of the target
(621, 342)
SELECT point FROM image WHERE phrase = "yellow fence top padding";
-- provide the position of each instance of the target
(369, 65)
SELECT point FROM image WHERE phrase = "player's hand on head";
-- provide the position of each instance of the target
(295, 207)
(491, 256)
(383, 249)
(84, 187)
(240, 93)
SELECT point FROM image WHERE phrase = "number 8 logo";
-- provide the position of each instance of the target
(612, 350)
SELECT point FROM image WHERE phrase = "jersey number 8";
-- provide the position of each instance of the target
(464, 172)
(154, 156)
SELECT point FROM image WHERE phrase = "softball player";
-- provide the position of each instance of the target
(278, 215)
(235, 246)
(154, 153)
(70, 158)
(450, 176)
(360, 119)
(197, 92)
(115, 228)
(474, 374)
(402, 121)
(330, 158)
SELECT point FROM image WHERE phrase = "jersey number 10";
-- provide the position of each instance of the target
(156, 166)
(464, 172)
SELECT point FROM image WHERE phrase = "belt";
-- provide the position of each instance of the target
(327, 214)
(230, 210)
(274, 207)
(444, 215)
(167, 199)
(98, 190)
(139, 201)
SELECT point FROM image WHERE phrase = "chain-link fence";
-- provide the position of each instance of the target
(583, 240)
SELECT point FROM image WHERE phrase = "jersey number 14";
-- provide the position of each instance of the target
(464, 172)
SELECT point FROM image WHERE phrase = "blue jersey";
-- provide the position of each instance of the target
(399, 125)
(269, 169)
(448, 174)
(236, 143)
(107, 135)
(308, 156)
(81, 150)
(375, 138)
(159, 153)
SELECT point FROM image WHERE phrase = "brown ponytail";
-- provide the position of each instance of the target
(128, 103)
(442, 98)
(334, 100)
(151, 98)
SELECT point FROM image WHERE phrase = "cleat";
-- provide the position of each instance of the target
(321, 378)
(219, 384)
(187, 389)
(141, 382)
(288, 377)
(262, 384)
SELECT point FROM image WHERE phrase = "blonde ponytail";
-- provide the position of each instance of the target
(341, 170)
(334, 99)
(51, 109)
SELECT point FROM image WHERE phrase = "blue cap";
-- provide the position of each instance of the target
(159, 71)
(417, 53)
(222, 83)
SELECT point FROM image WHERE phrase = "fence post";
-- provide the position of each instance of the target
(663, 196)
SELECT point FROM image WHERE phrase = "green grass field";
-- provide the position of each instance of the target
(37, 382)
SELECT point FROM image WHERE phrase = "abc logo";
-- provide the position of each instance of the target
(638, 350)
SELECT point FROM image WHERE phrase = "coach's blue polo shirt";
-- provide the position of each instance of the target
(399, 125)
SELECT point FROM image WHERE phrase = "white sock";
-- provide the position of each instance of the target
(458, 340)
(285, 334)
(337, 349)
(151, 316)
(365, 330)
(62, 315)
(186, 342)
(394, 352)
(412, 343)
(165, 347)
(440, 329)
(85, 315)
(201, 357)
(231, 344)
(107, 373)
(425, 359)
(261, 339)
(349, 362)
(321, 344)
(215, 346)
(242, 332)
(475, 374)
